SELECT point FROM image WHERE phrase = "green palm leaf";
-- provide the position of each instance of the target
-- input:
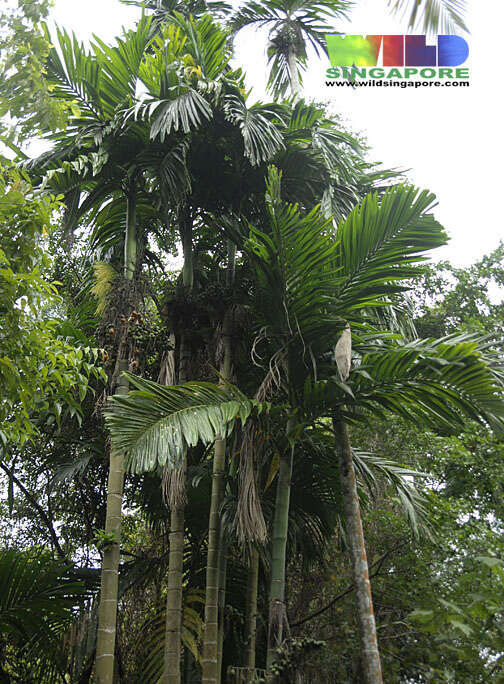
(381, 244)
(433, 16)
(188, 109)
(155, 424)
(370, 468)
(433, 383)
(38, 599)
(152, 636)
(262, 136)
(437, 383)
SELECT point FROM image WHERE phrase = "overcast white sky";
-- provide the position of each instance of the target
(451, 139)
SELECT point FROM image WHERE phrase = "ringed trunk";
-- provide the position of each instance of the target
(211, 663)
(222, 599)
(107, 612)
(251, 612)
(174, 596)
(370, 656)
(277, 612)
(293, 73)
(210, 644)
(171, 673)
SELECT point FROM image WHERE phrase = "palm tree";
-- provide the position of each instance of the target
(214, 111)
(374, 249)
(315, 283)
(103, 82)
(293, 25)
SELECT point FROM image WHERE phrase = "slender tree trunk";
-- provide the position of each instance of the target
(222, 598)
(370, 656)
(251, 611)
(210, 662)
(230, 275)
(277, 612)
(174, 605)
(293, 73)
(174, 596)
(107, 614)
(130, 242)
(210, 644)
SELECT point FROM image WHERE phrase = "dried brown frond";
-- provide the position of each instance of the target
(167, 366)
(249, 521)
(173, 486)
(273, 378)
(278, 628)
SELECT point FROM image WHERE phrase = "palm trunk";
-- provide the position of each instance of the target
(130, 242)
(171, 674)
(222, 599)
(251, 610)
(293, 72)
(107, 614)
(210, 662)
(370, 656)
(174, 596)
(277, 612)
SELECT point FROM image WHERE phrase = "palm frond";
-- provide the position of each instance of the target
(207, 45)
(155, 424)
(401, 478)
(433, 16)
(152, 637)
(262, 136)
(290, 262)
(74, 75)
(433, 383)
(38, 598)
(187, 110)
(382, 242)
(120, 64)
(438, 383)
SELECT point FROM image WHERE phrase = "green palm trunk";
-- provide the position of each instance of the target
(370, 656)
(251, 609)
(293, 72)
(107, 614)
(210, 645)
(211, 661)
(277, 613)
(222, 598)
(171, 673)
(174, 595)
